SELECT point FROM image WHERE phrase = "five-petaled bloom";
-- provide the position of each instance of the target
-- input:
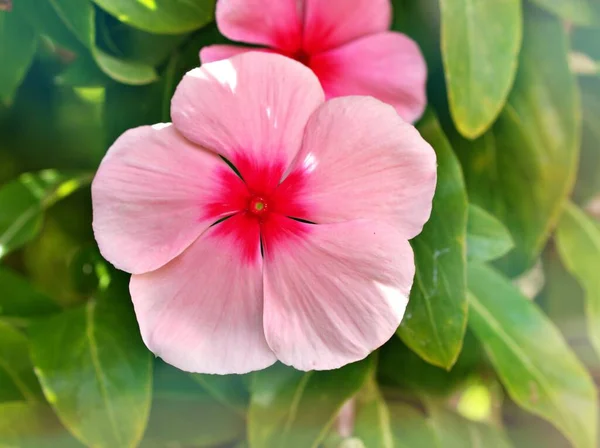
(345, 42)
(303, 257)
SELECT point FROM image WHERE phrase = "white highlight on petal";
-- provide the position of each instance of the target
(159, 126)
(310, 163)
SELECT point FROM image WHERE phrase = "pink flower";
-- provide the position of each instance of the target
(305, 258)
(345, 42)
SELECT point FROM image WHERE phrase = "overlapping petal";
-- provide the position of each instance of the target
(388, 66)
(334, 292)
(360, 160)
(252, 108)
(150, 196)
(331, 23)
(214, 53)
(274, 23)
(203, 312)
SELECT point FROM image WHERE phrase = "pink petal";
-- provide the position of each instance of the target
(359, 159)
(331, 23)
(388, 66)
(252, 108)
(274, 23)
(214, 53)
(334, 293)
(203, 311)
(151, 197)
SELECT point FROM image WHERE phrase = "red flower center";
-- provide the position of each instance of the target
(302, 57)
(258, 206)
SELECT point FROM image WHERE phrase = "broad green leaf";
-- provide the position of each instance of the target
(421, 21)
(454, 431)
(43, 17)
(16, 371)
(161, 16)
(588, 180)
(20, 299)
(289, 408)
(83, 72)
(147, 48)
(32, 425)
(436, 317)
(481, 40)
(18, 43)
(228, 390)
(580, 12)
(410, 428)
(402, 369)
(123, 71)
(372, 423)
(197, 421)
(78, 16)
(487, 238)
(183, 414)
(47, 261)
(533, 361)
(95, 371)
(578, 242)
(523, 169)
(23, 201)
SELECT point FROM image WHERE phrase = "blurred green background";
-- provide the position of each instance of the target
(500, 344)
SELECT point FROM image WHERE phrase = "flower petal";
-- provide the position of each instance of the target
(274, 23)
(360, 160)
(387, 66)
(252, 108)
(214, 53)
(335, 292)
(152, 197)
(331, 23)
(203, 311)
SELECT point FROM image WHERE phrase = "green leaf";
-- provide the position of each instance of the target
(523, 169)
(82, 72)
(372, 422)
(32, 425)
(23, 201)
(20, 299)
(185, 415)
(228, 390)
(191, 421)
(123, 71)
(45, 20)
(487, 238)
(481, 40)
(579, 12)
(16, 371)
(78, 16)
(18, 43)
(436, 318)
(402, 369)
(538, 369)
(578, 242)
(161, 16)
(454, 431)
(147, 48)
(410, 428)
(295, 409)
(95, 371)
(588, 181)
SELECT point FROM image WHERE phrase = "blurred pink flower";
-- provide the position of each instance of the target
(304, 258)
(345, 42)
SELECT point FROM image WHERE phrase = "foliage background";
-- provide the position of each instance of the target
(501, 341)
